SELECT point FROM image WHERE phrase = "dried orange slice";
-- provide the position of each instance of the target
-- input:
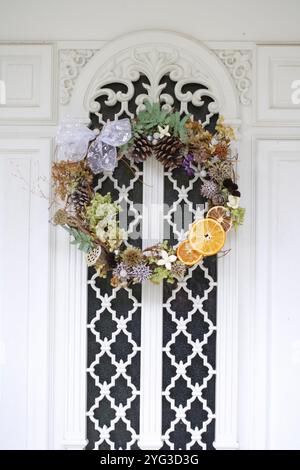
(187, 255)
(221, 215)
(207, 236)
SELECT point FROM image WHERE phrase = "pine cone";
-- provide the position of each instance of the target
(142, 149)
(169, 151)
(81, 196)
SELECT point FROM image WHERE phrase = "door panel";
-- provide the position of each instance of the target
(277, 333)
(187, 392)
(24, 321)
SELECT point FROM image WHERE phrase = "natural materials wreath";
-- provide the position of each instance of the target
(176, 141)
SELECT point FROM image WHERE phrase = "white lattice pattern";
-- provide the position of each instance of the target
(108, 345)
(196, 432)
(105, 387)
(181, 324)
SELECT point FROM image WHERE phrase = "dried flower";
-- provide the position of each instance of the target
(229, 184)
(197, 133)
(223, 131)
(117, 282)
(221, 150)
(67, 175)
(60, 217)
(218, 199)
(209, 189)
(101, 269)
(178, 269)
(232, 188)
(132, 256)
(122, 271)
(187, 161)
(141, 272)
(200, 152)
(220, 171)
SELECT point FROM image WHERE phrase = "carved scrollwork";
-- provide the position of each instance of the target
(72, 62)
(153, 65)
(239, 65)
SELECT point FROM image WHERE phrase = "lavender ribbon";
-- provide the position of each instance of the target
(73, 140)
(102, 154)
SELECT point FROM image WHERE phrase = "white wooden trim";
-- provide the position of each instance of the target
(75, 353)
(152, 315)
(226, 432)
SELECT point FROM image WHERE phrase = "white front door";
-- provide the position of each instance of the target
(43, 317)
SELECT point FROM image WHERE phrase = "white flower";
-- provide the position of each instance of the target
(163, 131)
(233, 202)
(115, 236)
(166, 260)
(107, 222)
(101, 234)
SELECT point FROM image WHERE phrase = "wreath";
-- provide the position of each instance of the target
(174, 140)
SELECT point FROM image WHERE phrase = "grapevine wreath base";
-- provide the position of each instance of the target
(176, 141)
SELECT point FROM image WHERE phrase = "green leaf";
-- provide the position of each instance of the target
(83, 240)
(150, 118)
(177, 125)
(84, 246)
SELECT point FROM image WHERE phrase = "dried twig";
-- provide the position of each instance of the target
(77, 223)
(34, 189)
(139, 179)
(223, 253)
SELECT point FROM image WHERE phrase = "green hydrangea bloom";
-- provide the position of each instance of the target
(160, 273)
(102, 217)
